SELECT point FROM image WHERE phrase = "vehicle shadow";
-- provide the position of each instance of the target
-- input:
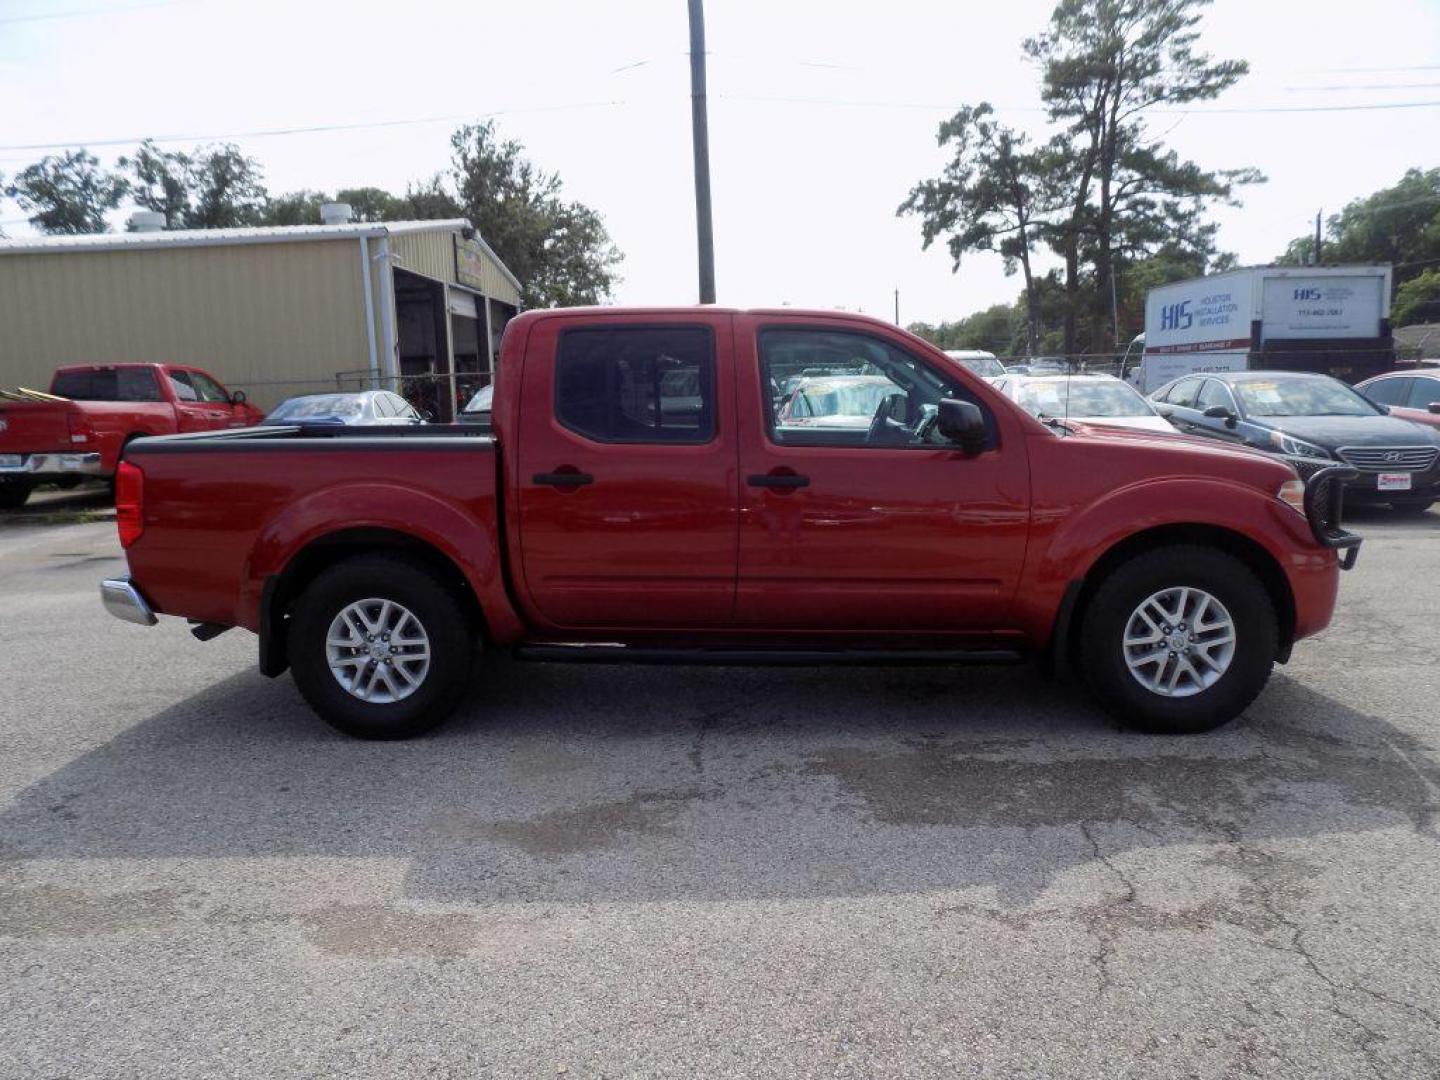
(583, 784)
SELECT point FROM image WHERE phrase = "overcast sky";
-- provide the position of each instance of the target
(822, 116)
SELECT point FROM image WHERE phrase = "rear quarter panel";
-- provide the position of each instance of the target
(219, 521)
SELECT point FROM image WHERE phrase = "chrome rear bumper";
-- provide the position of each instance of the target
(124, 601)
(54, 464)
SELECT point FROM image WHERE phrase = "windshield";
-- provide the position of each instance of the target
(1086, 397)
(1300, 397)
(321, 405)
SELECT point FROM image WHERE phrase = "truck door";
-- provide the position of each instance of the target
(859, 516)
(626, 478)
(201, 404)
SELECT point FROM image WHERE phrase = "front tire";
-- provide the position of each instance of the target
(379, 648)
(1179, 640)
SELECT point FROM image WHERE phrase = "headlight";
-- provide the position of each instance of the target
(1292, 494)
(1288, 444)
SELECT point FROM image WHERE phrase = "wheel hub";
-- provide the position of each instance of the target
(1179, 641)
(378, 651)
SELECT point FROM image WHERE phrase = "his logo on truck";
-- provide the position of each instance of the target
(1308, 294)
(1176, 316)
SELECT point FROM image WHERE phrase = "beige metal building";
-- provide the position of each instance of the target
(416, 306)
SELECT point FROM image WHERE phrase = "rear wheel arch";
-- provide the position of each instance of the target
(282, 590)
(1066, 636)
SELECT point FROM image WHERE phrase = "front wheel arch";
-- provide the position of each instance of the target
(1065, 637)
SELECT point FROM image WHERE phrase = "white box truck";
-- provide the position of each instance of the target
(1333, 319)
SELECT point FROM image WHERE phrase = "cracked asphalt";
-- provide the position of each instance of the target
(667, 872)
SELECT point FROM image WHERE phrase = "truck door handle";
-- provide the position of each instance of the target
(561, 479)
(778, 480)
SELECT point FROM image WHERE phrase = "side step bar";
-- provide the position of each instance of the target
(582, 653)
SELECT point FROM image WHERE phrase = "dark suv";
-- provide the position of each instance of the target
(1312, 421)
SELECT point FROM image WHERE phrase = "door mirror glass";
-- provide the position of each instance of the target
(1219, 412)
(1435, 407)
(962, 423)
(237, 397)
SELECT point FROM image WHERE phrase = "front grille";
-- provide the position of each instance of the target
(1389, 458)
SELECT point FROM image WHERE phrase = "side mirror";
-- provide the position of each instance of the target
(1163, 409)
(426, 416)
(1435, 407)
(1220, 412)
(237, 397)
(962, 423)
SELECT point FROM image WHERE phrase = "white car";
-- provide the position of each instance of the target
(981, 363)
(835, 401)
(362, 408)
(1090, 399)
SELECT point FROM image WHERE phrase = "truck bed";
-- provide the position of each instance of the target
(229, 508)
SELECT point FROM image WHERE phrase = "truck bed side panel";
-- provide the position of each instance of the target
(221, 517)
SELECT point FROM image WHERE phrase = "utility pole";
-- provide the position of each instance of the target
(700, 131)
(1114, 304)
(897, 307)
(1317, 236)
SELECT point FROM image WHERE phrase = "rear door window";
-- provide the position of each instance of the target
(637, 384)
(108, 384)
(1183, 393)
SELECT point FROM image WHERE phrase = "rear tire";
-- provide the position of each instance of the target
(1115, 633)
(357, 603)
(13, 493)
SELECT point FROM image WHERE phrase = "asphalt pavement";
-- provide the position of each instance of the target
(671, 872)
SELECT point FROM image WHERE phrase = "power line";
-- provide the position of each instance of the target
(932, 106)
(263, 133)
(1361, 86)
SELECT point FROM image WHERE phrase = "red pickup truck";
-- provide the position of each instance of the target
(641, 497)
(107, 406)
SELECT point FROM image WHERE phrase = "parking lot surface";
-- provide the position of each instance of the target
(712, 872)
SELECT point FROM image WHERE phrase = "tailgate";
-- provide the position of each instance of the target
(35, 426)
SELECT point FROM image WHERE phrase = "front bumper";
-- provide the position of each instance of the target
(33, 465)
(124, 601)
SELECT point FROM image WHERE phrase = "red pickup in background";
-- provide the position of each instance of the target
(106, 406)
(643, 496)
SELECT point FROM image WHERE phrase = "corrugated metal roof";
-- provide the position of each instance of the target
(264, 234)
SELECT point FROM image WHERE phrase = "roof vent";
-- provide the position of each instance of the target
(335, 213)
(147, 221)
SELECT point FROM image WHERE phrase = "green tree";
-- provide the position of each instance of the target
(1105, 64)
(160, 181)
(1399, 225)
(293, 208)
(227, 189)
(560, 250)
(1418, 300)
(991, 196)
(67, 193)
(430, 200)
(215, 187)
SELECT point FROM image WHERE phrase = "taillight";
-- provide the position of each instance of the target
(129, 503)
